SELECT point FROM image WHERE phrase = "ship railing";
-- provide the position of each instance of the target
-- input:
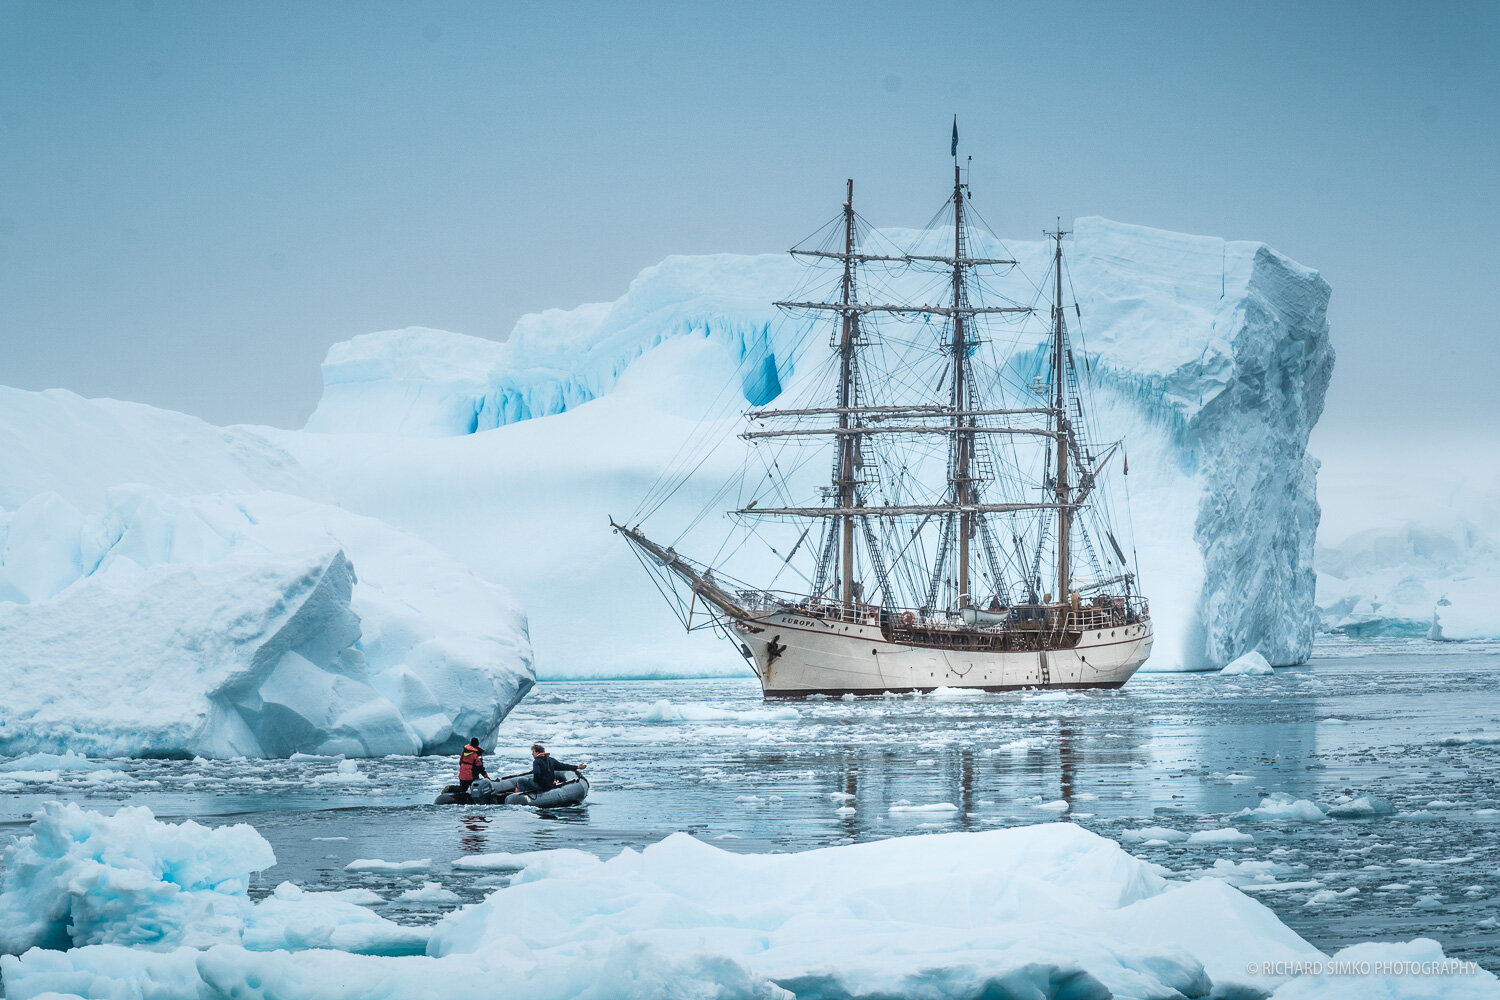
(767, 602)
(1111, 612)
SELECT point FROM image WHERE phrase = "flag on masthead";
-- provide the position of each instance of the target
(954, 150)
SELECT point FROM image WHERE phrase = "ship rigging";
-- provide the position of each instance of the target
(963, 536)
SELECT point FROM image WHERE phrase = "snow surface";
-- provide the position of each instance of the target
(238, 625)
(127, 906)
(1212, 357)
(58, 442)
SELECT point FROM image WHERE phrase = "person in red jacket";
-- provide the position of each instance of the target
(470, 766)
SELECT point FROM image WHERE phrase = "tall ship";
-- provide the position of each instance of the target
(963, 537)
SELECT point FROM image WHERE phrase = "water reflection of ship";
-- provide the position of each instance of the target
(1057, 766)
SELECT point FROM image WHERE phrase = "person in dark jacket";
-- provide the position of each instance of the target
(544, 771)
(470, 766)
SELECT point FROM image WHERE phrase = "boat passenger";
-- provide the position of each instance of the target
(470, 766)
(544, 771)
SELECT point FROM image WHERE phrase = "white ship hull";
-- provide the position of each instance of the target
(797, 656)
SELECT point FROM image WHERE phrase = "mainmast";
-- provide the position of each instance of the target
(1061, 424)
(963, 441)
(847, 442)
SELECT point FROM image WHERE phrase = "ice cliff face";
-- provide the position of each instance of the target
(134, 621)
(1258, 518)
(1212, 357)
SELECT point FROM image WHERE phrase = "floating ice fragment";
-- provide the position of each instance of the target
(1153, 833)
(1365, 805)
(1251, 664)
(430, 892)
(1282, 807)
(508, 861)
(934, 807)
(1228, 835)
(377, 865)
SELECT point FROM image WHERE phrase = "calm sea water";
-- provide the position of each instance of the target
(1415, 723)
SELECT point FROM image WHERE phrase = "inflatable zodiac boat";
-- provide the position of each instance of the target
(502, 792)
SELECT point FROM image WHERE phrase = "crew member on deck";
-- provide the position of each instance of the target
(470, 766)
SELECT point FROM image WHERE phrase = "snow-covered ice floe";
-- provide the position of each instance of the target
(129, 881)
(127, 906)
(1212, 356)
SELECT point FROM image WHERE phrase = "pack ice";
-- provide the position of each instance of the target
(137, 622)
(1212, 357)
(127, 906)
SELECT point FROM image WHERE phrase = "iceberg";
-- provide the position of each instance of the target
(240, 625)
(1213, 355)
(1048, 910)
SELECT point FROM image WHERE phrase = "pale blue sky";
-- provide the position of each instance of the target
(196, 200)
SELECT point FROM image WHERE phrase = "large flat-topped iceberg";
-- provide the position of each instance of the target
(1213, 357)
